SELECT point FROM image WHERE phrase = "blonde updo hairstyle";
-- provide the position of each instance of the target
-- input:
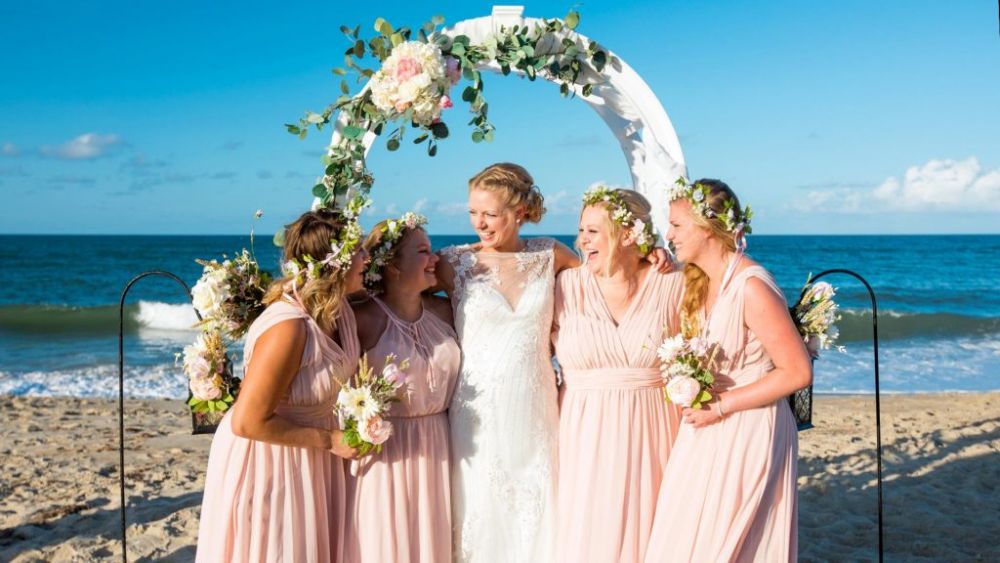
(311, 234)
(638, 206)
(695, 279)
(514, 185)
(375, 238)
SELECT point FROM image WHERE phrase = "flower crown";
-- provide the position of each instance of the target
(382, 253)
(734, 220)
(644, 234)
(342, 248)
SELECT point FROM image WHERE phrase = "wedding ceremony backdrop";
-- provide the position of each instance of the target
(606, 83)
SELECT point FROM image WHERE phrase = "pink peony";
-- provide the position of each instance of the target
(204, 389)
(407, 68)
(683, 390)
(375, 430)
(453, 71)
(446, 102)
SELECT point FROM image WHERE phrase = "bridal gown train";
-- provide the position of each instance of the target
(504, 414)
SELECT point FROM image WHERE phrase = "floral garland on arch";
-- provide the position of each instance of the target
(412, 83)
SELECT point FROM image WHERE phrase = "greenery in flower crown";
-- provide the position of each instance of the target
(643, 232)
(382, 253)
(342, 248)
(404, 93)
(733, 219)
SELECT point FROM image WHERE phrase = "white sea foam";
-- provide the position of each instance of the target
(166, 316)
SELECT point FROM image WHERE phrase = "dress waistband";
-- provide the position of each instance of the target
(304, 413)
(415, 416)
(612, 378)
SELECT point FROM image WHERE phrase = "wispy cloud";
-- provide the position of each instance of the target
(85, 147)
(10, 149)
(231, 145)
(938, 185)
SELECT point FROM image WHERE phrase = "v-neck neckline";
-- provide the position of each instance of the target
(617, 324)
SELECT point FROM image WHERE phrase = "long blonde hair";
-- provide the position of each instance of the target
(311, 234)
(638, 205)
(695, 279)
(515, 186)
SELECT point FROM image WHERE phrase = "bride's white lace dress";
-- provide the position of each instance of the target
(504, 414)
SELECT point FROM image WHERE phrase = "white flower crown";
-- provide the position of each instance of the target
(643, 232)
(734, 220)
(342, 248)
(382, 253)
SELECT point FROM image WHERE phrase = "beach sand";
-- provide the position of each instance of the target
(941, 461)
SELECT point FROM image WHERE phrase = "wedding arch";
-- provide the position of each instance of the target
(550, 49)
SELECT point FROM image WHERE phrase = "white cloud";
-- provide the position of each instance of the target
(420, 205)
(938, 185)
(85, 147)
(10, 149)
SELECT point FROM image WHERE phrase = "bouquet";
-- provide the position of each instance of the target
(417, 77)
(815, 315)
(210, 380)
(229, 295)
(684, 364)
(363, 401)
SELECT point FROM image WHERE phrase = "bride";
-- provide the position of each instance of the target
(504, 415)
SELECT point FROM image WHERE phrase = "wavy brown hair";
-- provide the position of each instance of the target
(695, 279)
(515, 186)
(375, 238)
(311, 235)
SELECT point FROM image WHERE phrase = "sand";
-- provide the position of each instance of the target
(941, 461)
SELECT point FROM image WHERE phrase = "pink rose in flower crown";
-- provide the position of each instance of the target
(683, 390)
(205, 389)
(407, 68)
(375, 430)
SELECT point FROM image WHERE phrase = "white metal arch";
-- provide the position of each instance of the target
(620, 96)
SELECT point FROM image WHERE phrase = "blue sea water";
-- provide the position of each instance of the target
(939, 309)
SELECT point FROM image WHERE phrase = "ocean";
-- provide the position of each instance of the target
(939, 309)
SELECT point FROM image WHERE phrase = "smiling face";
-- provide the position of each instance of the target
(413, 262)
(688, 237)
(600, 246)
(495, 222)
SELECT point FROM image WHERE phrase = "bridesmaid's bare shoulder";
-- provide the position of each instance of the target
(440, 307)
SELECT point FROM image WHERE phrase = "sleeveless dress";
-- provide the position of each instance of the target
(267, 502)
(729, 492)
(615, 427)
(399, 500)
(504, 414)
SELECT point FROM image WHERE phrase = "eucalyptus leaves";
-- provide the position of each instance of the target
(411, 85)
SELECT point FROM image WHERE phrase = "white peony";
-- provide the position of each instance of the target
(683, 391)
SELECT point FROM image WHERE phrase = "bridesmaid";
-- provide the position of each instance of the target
(273, 492)
(399, 501)
(729, 492)
(615, 429)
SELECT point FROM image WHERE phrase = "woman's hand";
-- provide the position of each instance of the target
(661, 260)
(705, 416)
(340, 448)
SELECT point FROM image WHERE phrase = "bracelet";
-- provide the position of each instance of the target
(718, 408)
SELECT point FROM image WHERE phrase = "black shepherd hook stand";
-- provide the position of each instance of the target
(121, 386)
(878, 404)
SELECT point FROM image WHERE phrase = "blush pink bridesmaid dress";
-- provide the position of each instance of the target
(729, 493)
(266, 502)
(399, 500)
(615, 428)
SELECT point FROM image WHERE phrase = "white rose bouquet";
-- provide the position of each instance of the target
(684, 364)
(363, 401)
(815, 315)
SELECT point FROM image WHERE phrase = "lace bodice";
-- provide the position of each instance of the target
(504, 413)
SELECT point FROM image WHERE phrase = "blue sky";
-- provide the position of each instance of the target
(833, 117)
